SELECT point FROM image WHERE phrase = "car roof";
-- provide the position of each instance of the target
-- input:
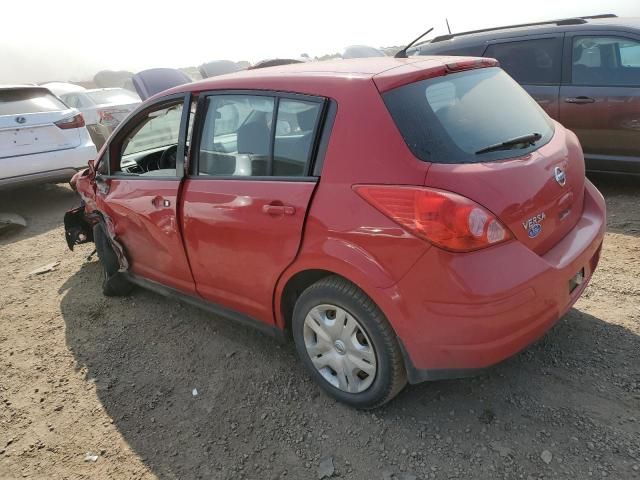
(90, 90)
(321, 78)
(470, 38)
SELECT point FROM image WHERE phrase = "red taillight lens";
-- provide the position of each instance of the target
(106, 115)
(76, 121)
(445, 219)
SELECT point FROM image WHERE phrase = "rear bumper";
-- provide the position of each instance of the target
(455, 314)
(56, 166)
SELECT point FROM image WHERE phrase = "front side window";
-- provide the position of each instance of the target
(605, 61)
(466, 117)
(530, 62)
(239, 137)
(150, 147)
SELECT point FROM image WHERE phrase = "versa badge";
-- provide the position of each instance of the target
(533, 226)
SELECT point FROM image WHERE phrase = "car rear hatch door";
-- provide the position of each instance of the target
(489, 141)
(155, 80)
(537, 196)
(27, 123)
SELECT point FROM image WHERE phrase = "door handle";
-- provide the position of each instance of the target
(160, 202)
(275, 210)
(579, 100)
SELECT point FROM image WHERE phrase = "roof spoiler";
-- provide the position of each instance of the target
(564, 21)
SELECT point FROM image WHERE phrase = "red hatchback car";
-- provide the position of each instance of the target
(401, 219)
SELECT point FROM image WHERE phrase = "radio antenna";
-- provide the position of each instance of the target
(403, 53)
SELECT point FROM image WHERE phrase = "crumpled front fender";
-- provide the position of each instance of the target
(78, 227)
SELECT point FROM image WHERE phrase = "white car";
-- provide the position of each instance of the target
(103, 108)
(41, 139)
(107, 106)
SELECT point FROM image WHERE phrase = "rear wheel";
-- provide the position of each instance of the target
(347, 344)
(114, 283)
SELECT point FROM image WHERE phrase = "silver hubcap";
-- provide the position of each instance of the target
(339, 348)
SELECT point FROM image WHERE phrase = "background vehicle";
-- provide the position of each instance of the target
(361, 51)
(275, 62)
(149, 82)
(103, 109)
(217, 67)
(41, 139)
(585, 72)
(403, 219)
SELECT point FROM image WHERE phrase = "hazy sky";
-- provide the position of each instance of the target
(72, 39)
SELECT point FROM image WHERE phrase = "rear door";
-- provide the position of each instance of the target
(28, 119)
(600, 98)
(139, 193)
(535, 62)
(245, 202)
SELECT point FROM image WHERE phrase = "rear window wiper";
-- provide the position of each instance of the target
(526, 140)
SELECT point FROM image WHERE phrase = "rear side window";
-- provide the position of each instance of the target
(450, 119)
(239, 138)
(530, 62)
(28, 100)
(295, 132)
(605, 61)
(236, 136)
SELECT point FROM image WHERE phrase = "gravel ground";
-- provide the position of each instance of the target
(144, 387)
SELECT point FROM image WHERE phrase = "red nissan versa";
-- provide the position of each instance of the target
(402, 219)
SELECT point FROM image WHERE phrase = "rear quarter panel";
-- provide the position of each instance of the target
(343, 233)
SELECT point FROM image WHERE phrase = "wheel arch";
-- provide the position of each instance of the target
(358, 269)
(109, 229)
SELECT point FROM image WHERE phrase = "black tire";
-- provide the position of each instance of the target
(390, 377)
(114, 283)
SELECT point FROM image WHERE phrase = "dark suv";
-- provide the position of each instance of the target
(585, 72)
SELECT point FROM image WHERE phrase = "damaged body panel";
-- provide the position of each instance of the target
(78, 229)
(79, 221)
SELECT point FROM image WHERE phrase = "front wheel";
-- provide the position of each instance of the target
(347, 344)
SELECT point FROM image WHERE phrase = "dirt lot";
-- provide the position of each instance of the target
(114, 378)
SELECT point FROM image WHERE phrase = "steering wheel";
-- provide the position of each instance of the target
(168, 158)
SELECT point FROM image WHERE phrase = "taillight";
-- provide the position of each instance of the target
(76, 121)
(106, 115)
(445, 219)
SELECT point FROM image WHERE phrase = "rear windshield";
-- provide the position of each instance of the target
(28, 100)
(121, 97)
(450, 119)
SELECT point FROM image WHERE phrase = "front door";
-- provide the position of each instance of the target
(600, 98)
(139, 193)
(248, 193)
